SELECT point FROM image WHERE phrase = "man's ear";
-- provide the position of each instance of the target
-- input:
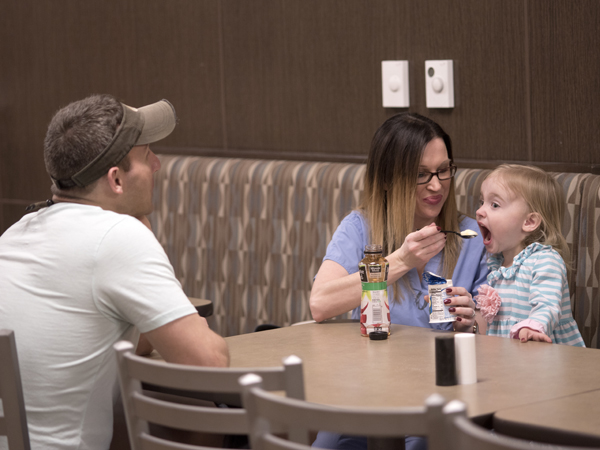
(532, 222)
(114, 180)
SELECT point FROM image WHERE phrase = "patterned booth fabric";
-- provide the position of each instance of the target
(251, 234)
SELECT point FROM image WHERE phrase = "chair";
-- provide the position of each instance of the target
(466, 435)
(143, 408)
(271, 416)
(13, 420)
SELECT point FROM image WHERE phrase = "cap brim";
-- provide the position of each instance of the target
(159, 122)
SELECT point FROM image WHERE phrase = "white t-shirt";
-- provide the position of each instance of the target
(74, 279)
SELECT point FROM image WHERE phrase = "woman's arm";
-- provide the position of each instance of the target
(336, 292)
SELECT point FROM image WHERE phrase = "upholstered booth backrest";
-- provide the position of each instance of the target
(251, 234)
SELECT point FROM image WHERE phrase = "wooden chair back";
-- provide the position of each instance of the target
(271, 415)
(142, 409)
(467, 435)
(13, 420)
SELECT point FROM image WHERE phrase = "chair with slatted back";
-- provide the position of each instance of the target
(466, 435)
(13, 420)
(272, 417)
(142, 409)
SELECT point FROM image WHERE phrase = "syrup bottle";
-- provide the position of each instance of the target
(374, 305)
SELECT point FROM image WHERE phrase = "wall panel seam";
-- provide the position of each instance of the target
(222, 73)
(527, 82)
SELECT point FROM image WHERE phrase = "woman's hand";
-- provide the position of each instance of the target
(461, 304)
(419, 247)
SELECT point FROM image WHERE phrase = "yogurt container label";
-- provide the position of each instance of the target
(438, 311)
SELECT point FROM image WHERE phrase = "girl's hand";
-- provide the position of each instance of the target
(462, 306)
(527, 334)
(420, 246)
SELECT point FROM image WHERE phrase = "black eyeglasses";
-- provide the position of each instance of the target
(443, 175)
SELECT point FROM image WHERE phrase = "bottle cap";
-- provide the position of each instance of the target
(378, 335)
(373, 248)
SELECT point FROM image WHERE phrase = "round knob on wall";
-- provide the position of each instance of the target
(437, 85)
(394, 83)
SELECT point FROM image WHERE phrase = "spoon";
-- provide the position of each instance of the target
(467, 234)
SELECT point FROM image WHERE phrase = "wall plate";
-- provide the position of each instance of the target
(394, 84)
(439, 83)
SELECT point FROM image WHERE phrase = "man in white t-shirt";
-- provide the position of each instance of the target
(85, 271)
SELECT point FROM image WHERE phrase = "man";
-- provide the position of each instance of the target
(79, 274)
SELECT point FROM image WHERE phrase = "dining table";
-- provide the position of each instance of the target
(568, 420)
(343, 368)
(532, 390)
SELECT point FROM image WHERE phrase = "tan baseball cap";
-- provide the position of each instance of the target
(140, 126)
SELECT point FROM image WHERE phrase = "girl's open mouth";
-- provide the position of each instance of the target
(485, 233)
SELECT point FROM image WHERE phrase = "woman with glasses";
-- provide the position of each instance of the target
(408, 200)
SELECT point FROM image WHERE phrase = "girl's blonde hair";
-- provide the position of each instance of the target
(389, 198)
(543, 196)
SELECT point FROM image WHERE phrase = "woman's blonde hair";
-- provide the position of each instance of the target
(389, 198)
(543, 196)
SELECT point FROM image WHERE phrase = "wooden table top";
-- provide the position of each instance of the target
(570, 420)
(343, 368)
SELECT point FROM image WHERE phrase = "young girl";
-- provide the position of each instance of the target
(527, 296)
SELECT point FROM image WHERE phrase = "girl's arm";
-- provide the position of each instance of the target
(547, 289)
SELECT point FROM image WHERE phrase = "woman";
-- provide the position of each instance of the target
(408, 199)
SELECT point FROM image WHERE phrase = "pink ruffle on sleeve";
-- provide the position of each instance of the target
(489, 302)
(527, 323)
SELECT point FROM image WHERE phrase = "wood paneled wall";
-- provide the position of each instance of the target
(302, 78)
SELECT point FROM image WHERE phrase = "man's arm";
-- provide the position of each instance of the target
(189, 340)
(143, 347)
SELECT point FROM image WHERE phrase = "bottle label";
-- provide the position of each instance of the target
(375, 286)
(362, 269)
(374, 308)
(374, 305)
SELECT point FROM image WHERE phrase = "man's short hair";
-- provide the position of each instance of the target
(88, 137)
(79, 132)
